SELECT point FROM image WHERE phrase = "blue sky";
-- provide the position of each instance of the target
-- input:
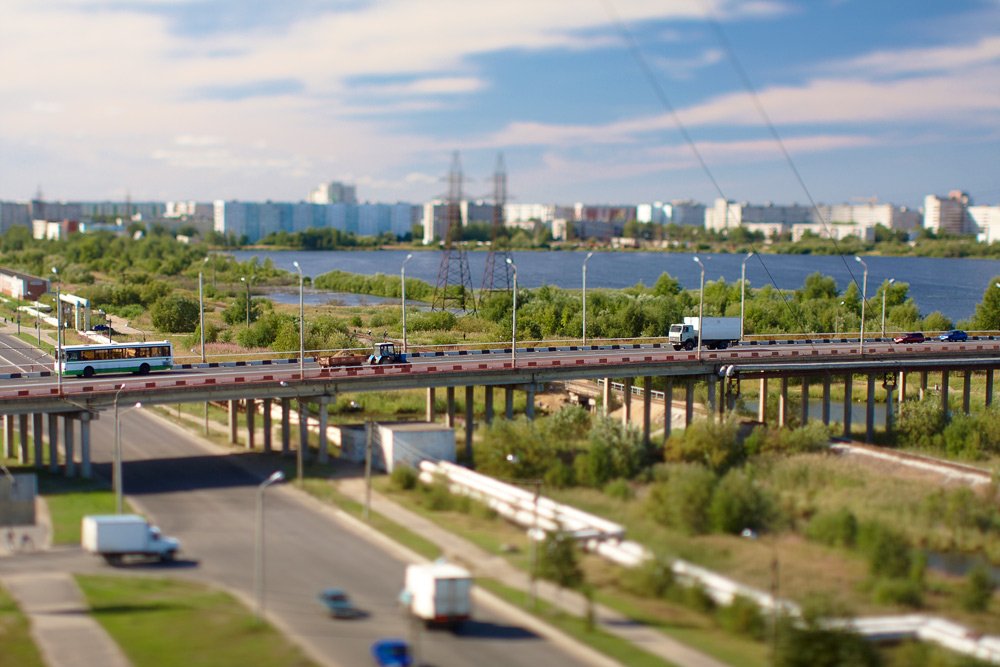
(255, 100)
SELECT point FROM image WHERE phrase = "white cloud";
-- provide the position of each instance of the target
(933, 59)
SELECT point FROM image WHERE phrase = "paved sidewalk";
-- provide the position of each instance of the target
(482, 563)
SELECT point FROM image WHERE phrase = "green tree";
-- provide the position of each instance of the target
(175, 314)
(987, 317)
(558, 560)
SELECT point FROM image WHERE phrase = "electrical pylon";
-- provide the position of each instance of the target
(454, 281)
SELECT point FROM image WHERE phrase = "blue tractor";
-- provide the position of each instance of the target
(385, 353)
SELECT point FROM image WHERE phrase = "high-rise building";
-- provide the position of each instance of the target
(334, 192)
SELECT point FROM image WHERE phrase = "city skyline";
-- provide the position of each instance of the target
(203, 101)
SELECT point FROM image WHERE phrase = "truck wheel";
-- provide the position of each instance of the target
(88, 372)
(113, 559)
(677, 348)
(689, 345)
(721, 346)
(144, 369)
(168, 556)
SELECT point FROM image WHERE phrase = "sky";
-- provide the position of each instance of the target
(594, 101)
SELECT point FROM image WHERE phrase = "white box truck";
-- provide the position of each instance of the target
(438, 593)
(720, 333)
(115, 536)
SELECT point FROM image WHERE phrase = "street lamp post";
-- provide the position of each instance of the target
(258, 576)
(302, 324)
(201, 310)
(586, 259)
(533, 534)
(885, 289)
(701, 303)
(299, 457)
(864, 300)
(244, 280)
(116, 472)
(55, 272)
(743, 289)
(513, 336)
(402, 291)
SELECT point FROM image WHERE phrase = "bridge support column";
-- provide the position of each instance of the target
(870, 411)
(37, 438)
(783, 403)
(9, 448)
(712, 382)
(304, 430)
(647, 394)
(902, 386)
(529, 401)
(70, 455)
(22, 428)
(233, 423)
(488, 399)
(989, 387)
(450, 413)
(508, 399)
(889, 407)
(53, 442)
(848, 386)
(251, 408)
(944, 392)
(688, 401)
(966, 391)
(606, 397)
(470, 424)
(266, 415)
(430, 405)
(762, 402)
(324, 450)
(85, 445)
(804, 408)
(286, 429)
(923, 385)
(826, 400)
(668, 408)
(627, 401)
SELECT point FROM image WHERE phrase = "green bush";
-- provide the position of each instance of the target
(619, 489)
(175, 314)
(837, 528)
(712, 443)
(654, 578)
(432, 320)
(739, 503)
(743, 616)
(894, 591)
(683, 500)
(921, 423)
(977, 589)
(438, 496)
(887, 551)
(404, 477)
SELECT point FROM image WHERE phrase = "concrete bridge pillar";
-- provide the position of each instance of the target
(848, 387)
(304, 430)
(923, 385)
(53, 425)
(85, 445)
(668, 408)
(826, 400)
(286, 429)
(70, 455)
(606, 397)
(627, 401)
(529, 401)
(944, 392)
(324, 450)
(9, 448)
(712, 383)
(647, 393)
(508, 400)
(450, 412)
(22, 428)
(488, 399)
(870, 411)
(233, 423)
(430, 405)
(966, 391)
(889, 407)
(37, 438)
(266, 417)
(783, 402)
(902, 386)
(804, 408)
(989, 387)
(251, 407)
(762, 401)
(688, 401)
(470, 424)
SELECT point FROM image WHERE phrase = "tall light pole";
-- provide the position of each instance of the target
(743, 290)
(533, 533)
(116, 472)
(201, 308)
(299, 458)
(513, 336)
(244, 280)
(885, 289)
(585, 260)
(258, 572)
(55, 272)
(701, 303)
(302, 324)
(402, 291)
(864, 300)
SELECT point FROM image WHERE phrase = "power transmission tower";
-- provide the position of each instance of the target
(454, 282)
(497, 275)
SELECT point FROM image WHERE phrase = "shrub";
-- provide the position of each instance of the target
(439, 496)
(175, 314)
(654, 578)
(683, 500)
(898, 592)
(838, 528)
(713, 443)
(696, 597)
(404, 477)
(812, 437)
(977, 590)
(432, 320)
(920, 423)
(619, 489)
(887, 551)
(739, 503)
(743, 616)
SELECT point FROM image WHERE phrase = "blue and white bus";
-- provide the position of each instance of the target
(140, 358)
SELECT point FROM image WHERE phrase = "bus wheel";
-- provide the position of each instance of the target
(88, 372)
(144, 369)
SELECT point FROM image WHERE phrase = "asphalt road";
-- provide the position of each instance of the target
(208, 500)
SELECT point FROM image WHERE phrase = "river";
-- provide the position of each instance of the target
(952, 286)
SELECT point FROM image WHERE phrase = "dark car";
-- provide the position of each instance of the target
(955, 336)
(913, 337)
(339, 603)
(392, 653)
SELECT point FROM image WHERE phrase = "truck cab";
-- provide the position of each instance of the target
(385, 353)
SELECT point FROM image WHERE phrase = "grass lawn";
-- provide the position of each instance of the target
(19, 648)
(166, 622)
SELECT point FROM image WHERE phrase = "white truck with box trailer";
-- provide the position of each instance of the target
(438, 593)
(115, 536)
(719, 333)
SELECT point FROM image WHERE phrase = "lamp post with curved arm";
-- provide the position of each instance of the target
(701, 304)
(884, 290)
(116, 472)
(302, 325)
(258, 571)
(513, 317)
(864, 300)
(246, 282)
(402, 291)
(201, 309)
(55, 272)
(743, 290)
(586, 259)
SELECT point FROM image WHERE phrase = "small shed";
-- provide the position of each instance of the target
(398, 442)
